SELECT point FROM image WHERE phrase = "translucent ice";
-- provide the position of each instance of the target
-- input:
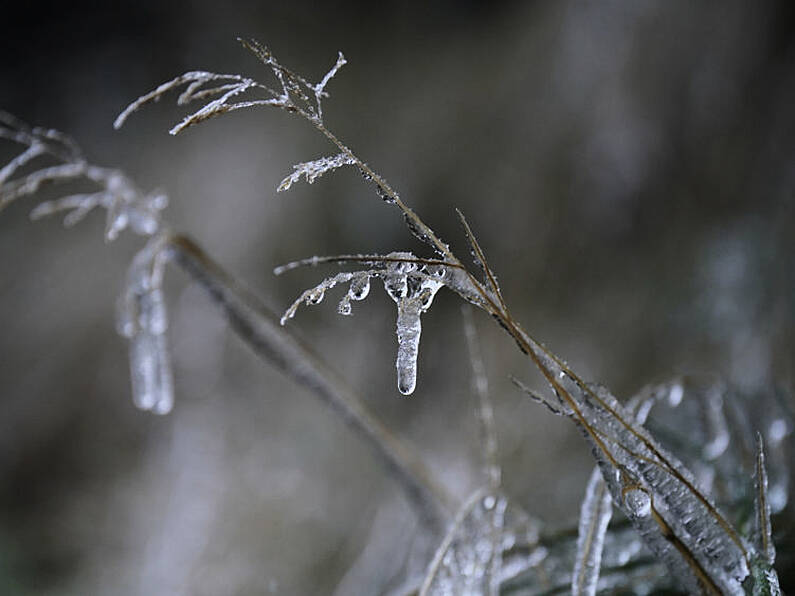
(142, 319)
(595, 514)
(413, 290)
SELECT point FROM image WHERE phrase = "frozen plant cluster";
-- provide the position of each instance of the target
(56, 159)
(409, 281)
(683, 504)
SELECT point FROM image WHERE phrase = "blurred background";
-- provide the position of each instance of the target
(628, 167)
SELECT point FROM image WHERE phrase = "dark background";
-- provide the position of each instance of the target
(627, 166)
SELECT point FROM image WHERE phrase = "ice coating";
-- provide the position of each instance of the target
(595, 514)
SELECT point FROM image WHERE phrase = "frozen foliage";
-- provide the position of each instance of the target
(673, 410)
(596, 511)
(124, 203)
(687, 512)
(661, 496)
(292, 92)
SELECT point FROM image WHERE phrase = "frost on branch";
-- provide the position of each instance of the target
(124, 203)
(142, 319)
(411, 282)
(222, 92)
(312, 170)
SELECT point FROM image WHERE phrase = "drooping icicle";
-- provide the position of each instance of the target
(413, 291)
(409, 329)
(411, 282)
(143, 320)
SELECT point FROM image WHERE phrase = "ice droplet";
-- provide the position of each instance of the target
(142, 319)
(344, 307)
(360, 288)
(675, 395)
(638, 502)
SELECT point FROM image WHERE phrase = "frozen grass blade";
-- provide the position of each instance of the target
(595, 514)
(485, 410)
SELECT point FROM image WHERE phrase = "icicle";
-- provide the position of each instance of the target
(409, 329)
(413, 292)
(143, 320)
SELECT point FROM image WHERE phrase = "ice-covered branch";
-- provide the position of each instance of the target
(312, 170)
(125, 204)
